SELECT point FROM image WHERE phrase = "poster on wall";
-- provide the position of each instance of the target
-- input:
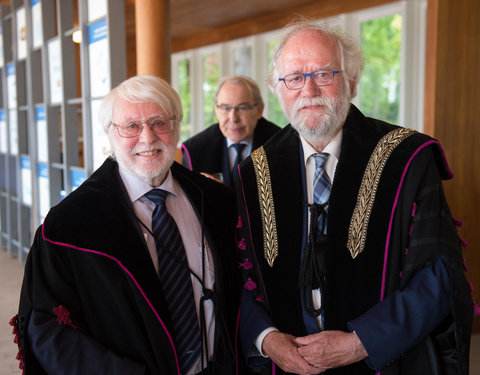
(2, 62)
(100, 144)
(55, 71)
(13, 125)
(3, 134)
(21, 34)
(26, 173)
(98, 58)
(77, 178)
(37, 29)
(42, 135)
(96, 9)
(43, 190)
(11, 86)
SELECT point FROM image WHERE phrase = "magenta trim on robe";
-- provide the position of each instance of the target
(387, 243)
(183, 147)
(133, 279)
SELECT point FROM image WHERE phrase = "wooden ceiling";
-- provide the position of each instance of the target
(195, 23)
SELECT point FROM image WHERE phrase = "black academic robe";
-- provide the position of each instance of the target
(207, 151)
(399, 243)
(90, 258)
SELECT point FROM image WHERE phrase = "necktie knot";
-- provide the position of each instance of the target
(157, 196)
(320, 160)
(239, 148)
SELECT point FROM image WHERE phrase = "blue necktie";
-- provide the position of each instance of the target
(238, 148)
(321, 188)
(176, 282)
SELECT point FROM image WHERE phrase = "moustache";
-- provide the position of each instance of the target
(313, 102)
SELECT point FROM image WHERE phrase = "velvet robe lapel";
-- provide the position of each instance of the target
(111, 228)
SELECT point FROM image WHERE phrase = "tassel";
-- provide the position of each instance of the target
(463, 242)
(239, 223)
(250, 284)
(476, 308)
(242, 244)
(247, 264)
(458, 222)
(63, 316)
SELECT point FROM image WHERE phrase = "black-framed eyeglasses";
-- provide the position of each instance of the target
(241, 108)
(157, 125)
(296, 81)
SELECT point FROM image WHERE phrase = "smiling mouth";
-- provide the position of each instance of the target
(148, 153)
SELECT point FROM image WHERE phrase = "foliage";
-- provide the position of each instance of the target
(379, 88)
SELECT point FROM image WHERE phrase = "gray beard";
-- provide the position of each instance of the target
(327, 123)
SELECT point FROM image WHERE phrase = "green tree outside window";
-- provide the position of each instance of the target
(184, 92)
(379, 87)
(211, 75)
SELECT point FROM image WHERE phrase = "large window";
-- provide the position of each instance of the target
(392, 37)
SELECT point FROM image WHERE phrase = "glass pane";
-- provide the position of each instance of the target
(184, 92)
(275, 113)
(242, 61)
(211, 75)
(379, 88)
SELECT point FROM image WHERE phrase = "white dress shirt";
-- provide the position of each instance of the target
(180, 208)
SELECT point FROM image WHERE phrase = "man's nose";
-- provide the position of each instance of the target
(147, 136)
(233, 114)
(310, 88)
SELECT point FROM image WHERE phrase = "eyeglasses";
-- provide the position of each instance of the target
(157, 125)
(296, 81)
(242, 108)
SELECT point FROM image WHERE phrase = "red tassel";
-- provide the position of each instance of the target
(414, 209)
(247, 264)
(463, 242)
(458, 222)
(63, 316)
(250, 284)
(476, 308)
(239, 222)
(242, 244)
(259, 299)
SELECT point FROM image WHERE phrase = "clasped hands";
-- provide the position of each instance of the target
(314, 353)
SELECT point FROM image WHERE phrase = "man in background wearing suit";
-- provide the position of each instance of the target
(133, 273)
(240, 129)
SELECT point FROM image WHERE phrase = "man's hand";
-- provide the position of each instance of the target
(282, 349)
(330, 349)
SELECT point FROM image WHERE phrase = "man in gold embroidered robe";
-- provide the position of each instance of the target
(381, 286)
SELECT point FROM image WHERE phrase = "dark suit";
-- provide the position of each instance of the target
(207, 150)
(90, 257)
(412, 258)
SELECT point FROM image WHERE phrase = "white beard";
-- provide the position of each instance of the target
(323, 125)
(145, 171)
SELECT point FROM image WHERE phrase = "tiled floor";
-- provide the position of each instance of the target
(11, 274)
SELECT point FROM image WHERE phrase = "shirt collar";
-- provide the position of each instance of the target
(137, 188)
(247, 141)
(332, 148)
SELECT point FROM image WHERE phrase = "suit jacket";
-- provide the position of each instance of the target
(207, 151)
(409, 234)
(89, 268)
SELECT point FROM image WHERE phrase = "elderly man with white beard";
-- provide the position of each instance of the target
(351, 258)
(134, 273)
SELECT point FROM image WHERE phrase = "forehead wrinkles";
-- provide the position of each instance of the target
(309, 48)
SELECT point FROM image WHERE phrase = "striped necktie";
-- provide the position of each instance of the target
(176, 282)
(321, 188)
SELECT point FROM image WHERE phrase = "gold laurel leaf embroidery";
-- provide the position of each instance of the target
(267, 210)
(357, 232)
